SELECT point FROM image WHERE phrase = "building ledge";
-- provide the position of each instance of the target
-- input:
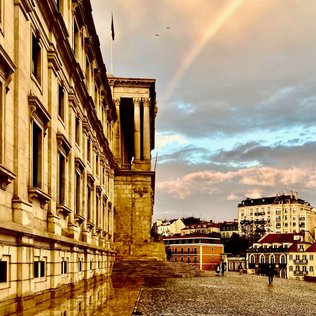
(6, 177)
(63, 210)
(38, 194)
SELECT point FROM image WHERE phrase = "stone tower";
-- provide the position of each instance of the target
(135, 101)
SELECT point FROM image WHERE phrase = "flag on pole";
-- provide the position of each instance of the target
(112, 28)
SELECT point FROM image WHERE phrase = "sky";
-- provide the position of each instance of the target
(236, 96)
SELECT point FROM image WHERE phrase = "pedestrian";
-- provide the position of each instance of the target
(240, 269)
(218, 268)
(270, 272)
(223, 268)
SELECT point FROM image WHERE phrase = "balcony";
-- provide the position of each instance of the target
(300, 273)
(300, 261)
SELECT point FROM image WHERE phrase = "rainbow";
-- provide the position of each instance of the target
(211, 31)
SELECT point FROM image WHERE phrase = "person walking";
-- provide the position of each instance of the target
(271, 272)
(223, 268)
(240, 268)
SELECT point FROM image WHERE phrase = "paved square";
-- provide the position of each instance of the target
(232, 294)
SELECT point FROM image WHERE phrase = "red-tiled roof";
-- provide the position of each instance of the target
(312, 248)
(277, 238)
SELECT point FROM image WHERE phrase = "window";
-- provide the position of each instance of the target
(39, 268)
(262, 259)
(181, 251)
(188, 251)
(88, 149)
(181, 259)
(77, 193)
(97, 164)
(80, 265)
(311, 269)
(282, 259)
(77, 131)
(189, 260)
(3, 271)
(272, 259)
(252, 259)
(39, 121)
(61, 178)
(89, 211)
(61, 102)
(37, 153)
(311, 257)
(290, 268)
(195, 250)
(64, 267)
(36, 58)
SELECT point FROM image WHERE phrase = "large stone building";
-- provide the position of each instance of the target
(75, 168)
(279, 214)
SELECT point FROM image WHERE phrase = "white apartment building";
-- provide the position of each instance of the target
(277, 214)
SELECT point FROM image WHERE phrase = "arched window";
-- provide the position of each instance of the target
(272, 259)
(261, 259)
(252, 259)
(282, 259)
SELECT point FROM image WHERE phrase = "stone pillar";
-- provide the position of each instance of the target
(136, 129)
(117, 133)
(146, 130)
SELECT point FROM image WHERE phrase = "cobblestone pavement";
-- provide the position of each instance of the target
(232, 294)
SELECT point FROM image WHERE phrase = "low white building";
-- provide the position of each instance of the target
(169, 227)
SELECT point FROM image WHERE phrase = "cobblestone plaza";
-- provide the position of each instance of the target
(232, 294)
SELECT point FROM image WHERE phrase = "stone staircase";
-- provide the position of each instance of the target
(130, 267)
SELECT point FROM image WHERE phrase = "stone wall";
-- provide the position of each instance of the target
(133, 210)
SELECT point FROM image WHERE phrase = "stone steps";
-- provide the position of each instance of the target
(150, 267)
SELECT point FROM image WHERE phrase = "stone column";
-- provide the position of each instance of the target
(146, 130)
(117, 132)
(136, 128)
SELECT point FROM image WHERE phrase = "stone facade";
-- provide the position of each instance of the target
(135, 101)
(63, 182)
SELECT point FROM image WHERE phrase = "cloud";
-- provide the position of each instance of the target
(261, 179)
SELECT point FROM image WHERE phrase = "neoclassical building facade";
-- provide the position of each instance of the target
(74, 162)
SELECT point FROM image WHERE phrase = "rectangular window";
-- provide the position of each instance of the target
(61, 102)
(77, 131)
(64, 267)
(97, 164)
(97, 209)
(37, 155)
(80, 265)
(36, 58)
(311, 257)
(39, 268)
(89, 203)
(77, 193)
(61, 178)
(3, 271)
(88, 149)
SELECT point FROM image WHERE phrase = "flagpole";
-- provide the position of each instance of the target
(112, 40)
